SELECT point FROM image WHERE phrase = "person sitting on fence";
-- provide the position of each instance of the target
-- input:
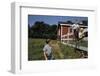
(83, 33)
(47, 50)
(75, 28)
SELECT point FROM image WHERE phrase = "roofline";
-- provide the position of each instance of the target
(70, 25)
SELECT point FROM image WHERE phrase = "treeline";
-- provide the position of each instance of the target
(46, 31)
(42, 30)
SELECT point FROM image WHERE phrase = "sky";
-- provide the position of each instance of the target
(54, 19)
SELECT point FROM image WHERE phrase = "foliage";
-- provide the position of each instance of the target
(42, 30)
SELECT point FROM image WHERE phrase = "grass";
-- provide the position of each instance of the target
(69, 52)
(60, 51)
(35, 47)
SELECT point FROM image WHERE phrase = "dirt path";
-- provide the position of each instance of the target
(56, 50)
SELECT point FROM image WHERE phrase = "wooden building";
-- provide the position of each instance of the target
(65, 31)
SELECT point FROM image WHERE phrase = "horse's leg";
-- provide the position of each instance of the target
(77, 40)
(75, 48)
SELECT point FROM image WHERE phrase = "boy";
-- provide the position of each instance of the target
(47, 50)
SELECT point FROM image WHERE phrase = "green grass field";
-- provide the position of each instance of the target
(60, 51)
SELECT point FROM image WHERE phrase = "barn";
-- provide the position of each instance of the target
(65, 31)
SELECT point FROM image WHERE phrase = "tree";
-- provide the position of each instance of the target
(43, 30)
(85, 22)
(69, 22)
(29, 31)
